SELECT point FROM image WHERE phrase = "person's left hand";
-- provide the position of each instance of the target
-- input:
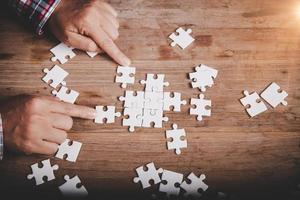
(89, 25)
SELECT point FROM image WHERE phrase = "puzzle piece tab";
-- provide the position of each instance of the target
(182, 38)
(106, 115)
(66, 95)
(203, 77)
(55, 76)
(125, 75)
(195, 184)
(154, 83)
(153, 116)
(253, 104)
(38, 173)
(150, 174)
(70, 149)
(274, 95)
(70, 188)
(170, 183)
(133, 100)
(178, 139)
(133, 118)
(62, 53)
(173, 101)
(200, 109)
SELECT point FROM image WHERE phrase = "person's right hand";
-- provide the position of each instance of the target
(34, 124)
(89, 25)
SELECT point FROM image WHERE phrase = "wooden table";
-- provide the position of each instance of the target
(251, 43)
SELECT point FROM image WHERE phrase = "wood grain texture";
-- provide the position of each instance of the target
(251, 42)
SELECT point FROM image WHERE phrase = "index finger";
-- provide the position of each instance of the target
(107, 45)
(73, 110)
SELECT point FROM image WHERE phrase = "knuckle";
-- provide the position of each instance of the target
(106, 43)
(26, 147)
(33, 103)
(69, 123)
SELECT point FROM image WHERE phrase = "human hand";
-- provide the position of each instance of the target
(34, 124)
(89, 25)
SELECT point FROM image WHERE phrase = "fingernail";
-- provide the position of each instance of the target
(127, 62)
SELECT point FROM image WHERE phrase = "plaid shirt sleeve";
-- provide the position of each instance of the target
(36, 12)
(1, 139)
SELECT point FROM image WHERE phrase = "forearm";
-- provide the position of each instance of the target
(35, 12)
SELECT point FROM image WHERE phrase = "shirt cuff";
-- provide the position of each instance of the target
(35, 12)
(1, 139)
(43, 16)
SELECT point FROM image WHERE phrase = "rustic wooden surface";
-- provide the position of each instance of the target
(251, 43)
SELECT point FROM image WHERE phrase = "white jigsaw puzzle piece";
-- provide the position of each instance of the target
(274, 95)
(70, 188)
(192, 188)
(173, 101)
(91, 54)
(70, 149)
(256, 106)
(182, 38)
(133, 100)
(56, 75)
(106, 116)
(38, 173)
(134, 118)
(203, 77)
(125, 75)
(62, 53)
(177, 142)
(171, 179)
(150, 174)
(153, 100)
(154, 83)
(66, 95)
(201, 107)
(153, 116)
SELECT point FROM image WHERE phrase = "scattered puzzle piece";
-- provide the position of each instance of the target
(182, 38)
(92, 54)
(154, 83)
(192, 188)
(38, 173)
(62, 53)
(274, 95)
(170, 183)
(253, 104)
(203, 77)
(69, 149)
(173, 101)
(66, 95)
(150, 174)
(106, 115)
(56, 76)
(71, 189)
(178, 137)
(153, 100)
(153, 116)
(125, 75)
(201, 107)
(133, 100)
(134, 118)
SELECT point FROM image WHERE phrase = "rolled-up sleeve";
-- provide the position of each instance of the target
(35, 12)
